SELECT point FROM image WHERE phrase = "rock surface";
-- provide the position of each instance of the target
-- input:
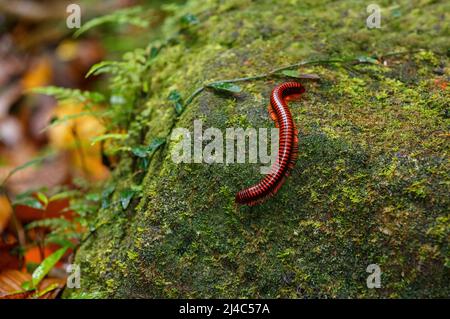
(370, 185)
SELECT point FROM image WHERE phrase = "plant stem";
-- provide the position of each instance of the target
(261, 76)
(352, 61)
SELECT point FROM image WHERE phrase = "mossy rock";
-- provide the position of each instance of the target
(370, 185)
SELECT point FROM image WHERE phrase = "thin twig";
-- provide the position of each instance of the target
(353, 61)
(261, 76)
(193, 95)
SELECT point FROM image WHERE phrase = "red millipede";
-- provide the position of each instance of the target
(288, 147)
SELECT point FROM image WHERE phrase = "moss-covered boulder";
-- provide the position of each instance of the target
(370, 186)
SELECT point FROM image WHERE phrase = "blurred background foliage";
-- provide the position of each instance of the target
(59, 136)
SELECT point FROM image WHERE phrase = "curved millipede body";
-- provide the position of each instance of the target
(288, 147)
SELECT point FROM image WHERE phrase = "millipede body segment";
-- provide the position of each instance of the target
(288, 147)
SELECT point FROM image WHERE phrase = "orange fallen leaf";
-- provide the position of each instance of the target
(85, 126)
(5, 212)
(39, 74)
(33, 255)
(75, 136)
(67, 50)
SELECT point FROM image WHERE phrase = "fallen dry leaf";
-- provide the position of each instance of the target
(54, 285)
(75, 136)
(5, 212)
(34, 10)
(39, 74)
(55, 209)
(8, 260)
(11, 281)
(41, 107)
(85, 126)
(8, 97)
(11, 286)
(11, 63)
(50, 173)
(33, 254)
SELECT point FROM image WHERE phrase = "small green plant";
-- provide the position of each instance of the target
(128, 81)
(133, 16)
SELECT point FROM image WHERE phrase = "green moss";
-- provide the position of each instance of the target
(370, 184)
